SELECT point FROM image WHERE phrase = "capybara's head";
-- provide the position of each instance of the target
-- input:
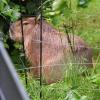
(25, 27)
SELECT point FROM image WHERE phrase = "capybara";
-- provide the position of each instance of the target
(56, 50)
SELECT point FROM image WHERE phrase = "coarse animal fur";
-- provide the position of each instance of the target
(56, 50)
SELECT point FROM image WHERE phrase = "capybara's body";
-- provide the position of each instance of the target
(56, 51)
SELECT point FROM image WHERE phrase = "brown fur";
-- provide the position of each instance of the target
(56, 49)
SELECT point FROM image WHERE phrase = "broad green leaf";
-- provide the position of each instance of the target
(1, 6)
(58, 4)
(52, 13)
(83, 98)
(4, 1)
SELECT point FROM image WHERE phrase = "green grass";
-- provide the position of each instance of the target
(74, 86)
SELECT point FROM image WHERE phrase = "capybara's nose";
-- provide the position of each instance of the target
(12, 26)
(11, 29)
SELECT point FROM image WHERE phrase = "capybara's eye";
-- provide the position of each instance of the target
(25, 23)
